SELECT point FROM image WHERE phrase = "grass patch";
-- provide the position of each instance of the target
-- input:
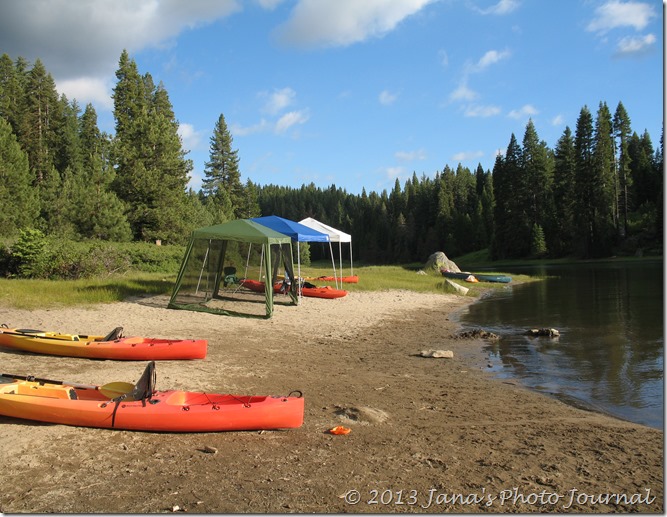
(34, 294)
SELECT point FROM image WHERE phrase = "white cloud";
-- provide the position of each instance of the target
(278, 100)
(386, 97)
(635, 45)
(410, 156)
(490, 58)
(614, 14)
(315, 23)
(290, 119)
(502, 7)
(558, 120)
(275, 104)
(395, 172)
(192, 139)
(260, 127)
(80, 42)
(525, 111)
(481, 111)
(93, 90)
(463, 93)
(443, 57)
(466, 156)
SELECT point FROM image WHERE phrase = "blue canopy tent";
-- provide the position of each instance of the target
(299, 233)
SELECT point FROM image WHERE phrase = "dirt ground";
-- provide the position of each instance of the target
(429, 435)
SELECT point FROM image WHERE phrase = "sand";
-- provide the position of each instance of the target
(428, 435)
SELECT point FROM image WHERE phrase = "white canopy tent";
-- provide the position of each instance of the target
(334, 236)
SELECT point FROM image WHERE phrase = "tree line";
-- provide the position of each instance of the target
(598, 192)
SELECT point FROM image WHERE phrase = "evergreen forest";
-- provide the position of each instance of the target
(597, 192)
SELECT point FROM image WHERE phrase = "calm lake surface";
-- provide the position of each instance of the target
(610, 353)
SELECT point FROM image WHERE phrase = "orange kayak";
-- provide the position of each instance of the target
(167, 411)
(112, 346)
(323, 292)
(313, 292)
(345, 279)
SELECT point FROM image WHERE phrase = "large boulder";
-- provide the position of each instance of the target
(439, 260)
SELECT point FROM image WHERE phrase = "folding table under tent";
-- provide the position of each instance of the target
(207, 279)
(334, 236)
(298, 233)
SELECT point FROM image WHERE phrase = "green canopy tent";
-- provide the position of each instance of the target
(207, 279)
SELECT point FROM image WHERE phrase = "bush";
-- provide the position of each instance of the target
(29, 255)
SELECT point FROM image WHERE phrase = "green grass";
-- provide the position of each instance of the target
(379, 278)
(34, 294)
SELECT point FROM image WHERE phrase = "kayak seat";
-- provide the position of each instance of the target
(115, 334)
(145, 386)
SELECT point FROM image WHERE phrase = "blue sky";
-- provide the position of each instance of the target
(356, 93)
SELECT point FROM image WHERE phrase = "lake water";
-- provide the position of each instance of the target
(610, 353)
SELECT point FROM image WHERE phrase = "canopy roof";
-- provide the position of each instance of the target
(243, 230)
(334, 234)
(297, 232)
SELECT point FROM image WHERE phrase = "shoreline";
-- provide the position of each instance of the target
(421, 427)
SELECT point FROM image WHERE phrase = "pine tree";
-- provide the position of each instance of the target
(537, 165)
(511, 231)
(11, 93)
(605, 193)
(222, 182)
(585, 177)
(152, 172)
(97, 211)
(41, 108)
(561, 241)
(623, 131)
(17, 197)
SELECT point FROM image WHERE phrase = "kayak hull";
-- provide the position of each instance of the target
(478, 277)
(313, 292)
(354, 279)
(166, 411)
(323, 292)
(91, 347)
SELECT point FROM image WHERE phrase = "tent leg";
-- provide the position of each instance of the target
(203, 266)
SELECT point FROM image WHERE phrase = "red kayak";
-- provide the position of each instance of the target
(354, 279)
(112, 346)
(140, 407)
(313, 292)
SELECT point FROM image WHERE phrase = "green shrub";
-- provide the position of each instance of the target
(29, 254)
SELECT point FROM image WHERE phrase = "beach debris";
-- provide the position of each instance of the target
(339, 429)
(543, 332)
(476, 334)
(446, 354)
(209, 450)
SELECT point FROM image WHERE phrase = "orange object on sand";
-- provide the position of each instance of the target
(340, 430)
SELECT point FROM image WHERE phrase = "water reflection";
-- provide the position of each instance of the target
(610, 352)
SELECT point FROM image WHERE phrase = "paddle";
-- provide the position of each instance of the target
(111, 389)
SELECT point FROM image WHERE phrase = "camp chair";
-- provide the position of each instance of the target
(230, 276)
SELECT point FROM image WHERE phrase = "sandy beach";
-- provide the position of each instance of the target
(428, 435)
